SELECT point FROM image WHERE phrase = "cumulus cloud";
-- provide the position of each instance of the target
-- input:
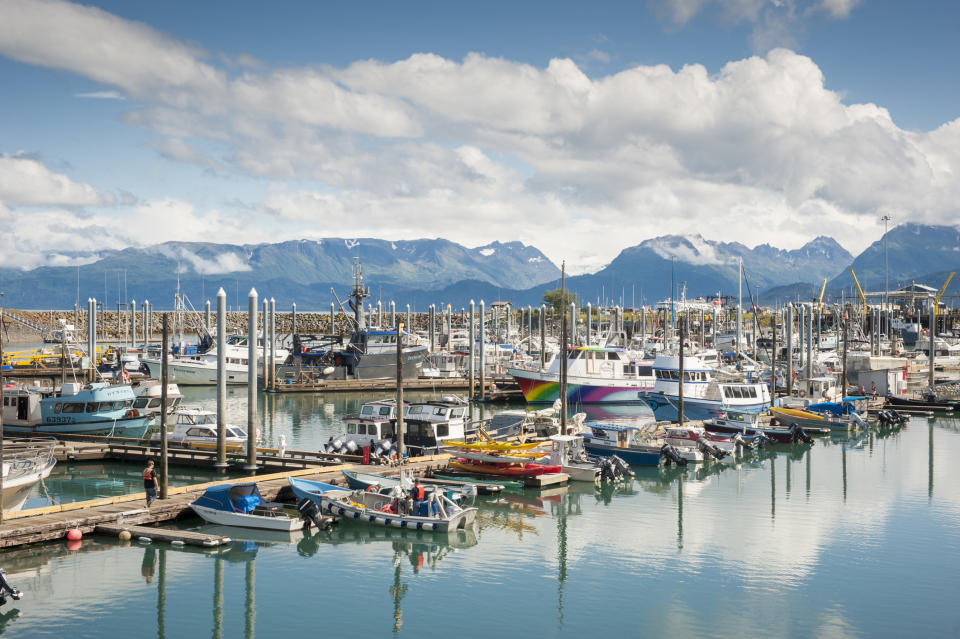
(214, 265)
(484, 148)
(24, 180)
(100, 95)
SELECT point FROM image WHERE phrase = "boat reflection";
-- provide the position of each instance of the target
(420, 546)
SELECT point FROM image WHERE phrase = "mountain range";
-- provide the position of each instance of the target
(425, 271)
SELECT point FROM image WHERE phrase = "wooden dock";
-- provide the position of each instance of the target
(150, 534)
(53, 522)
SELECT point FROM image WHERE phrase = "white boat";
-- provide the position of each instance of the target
(594, 375)
(242, 505)
(25, 462)
(433, 512)
(197, 428)
(201, 369)
(149, 393)
(426, 426)
(567, 451)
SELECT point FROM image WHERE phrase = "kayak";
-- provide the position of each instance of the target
(797, 412)
(507, 470)
(491, 445)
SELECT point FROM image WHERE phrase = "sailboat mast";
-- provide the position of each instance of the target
(739, 303)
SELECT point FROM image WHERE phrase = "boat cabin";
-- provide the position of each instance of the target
(198, 426)
(21, 406)
(599, 361)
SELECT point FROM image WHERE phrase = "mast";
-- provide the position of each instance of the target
(739, 302)
(358, 294)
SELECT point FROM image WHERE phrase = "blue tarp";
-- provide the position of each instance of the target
(231, 497)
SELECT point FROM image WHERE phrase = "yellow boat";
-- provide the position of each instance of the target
(797, 412)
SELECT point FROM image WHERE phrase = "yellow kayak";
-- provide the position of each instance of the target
(501, 446)
(796, 412)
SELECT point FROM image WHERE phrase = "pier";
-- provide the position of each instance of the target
(53, 522)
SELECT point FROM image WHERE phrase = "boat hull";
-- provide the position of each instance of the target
(242, 520)
(505, 470)
(633, 456)
(133, 427)
(332, 503)
(664, 407)
(195, 373)
(544, 388)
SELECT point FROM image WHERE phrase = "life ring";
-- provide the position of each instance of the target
(801, 394)
(372, 488)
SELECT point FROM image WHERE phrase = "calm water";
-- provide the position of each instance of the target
(844, 538)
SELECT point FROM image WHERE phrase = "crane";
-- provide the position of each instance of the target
(863, 298)
(936, 300)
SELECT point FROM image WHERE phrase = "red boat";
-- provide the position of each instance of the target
(507, 469)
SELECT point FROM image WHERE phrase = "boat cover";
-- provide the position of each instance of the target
(233, 498)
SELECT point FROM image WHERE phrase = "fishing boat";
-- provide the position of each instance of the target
(594, 375)
(427, 425)
(366, 353)
(357, 480)
(703, 396)
(433, 512)
(197, 428)
(632, 444)
(242, 505)
(25, 462)
(94, 409)
(150, 393)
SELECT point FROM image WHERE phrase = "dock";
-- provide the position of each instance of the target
(149, 534)
(53, 522)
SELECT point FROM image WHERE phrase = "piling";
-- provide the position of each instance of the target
(273, 344)
(133, 323)
(680, 383)
(430, 326)
(266, 339)
(573, 324)
(933, 334)
(221, 462)
(543, 335)
(789, 323)
(401, 447)
(472, 339)
(410, 323)
(164, 379)
(293, 319)
(252, 381)
(809, 344)
(393, 314)
(773, 360)
(482, 349)
(332, 319)
(206, 315)
(379, 314)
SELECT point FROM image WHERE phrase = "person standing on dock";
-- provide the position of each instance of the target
(150, 483)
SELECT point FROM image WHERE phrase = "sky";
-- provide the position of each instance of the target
(579, 128)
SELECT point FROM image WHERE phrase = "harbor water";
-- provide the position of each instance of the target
(847, 537)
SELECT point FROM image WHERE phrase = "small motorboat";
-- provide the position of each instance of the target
(630, 444)
(401, 509)
(357, 480)
(241, 505)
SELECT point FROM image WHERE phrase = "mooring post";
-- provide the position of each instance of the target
(483, 380)
(221, 462)
(789, 322)
(543, 336)
(471, 337)
(293, 319)
(273, 343)
(431, 312)
(164, 380)
(401, 447)
(266, 340)
(206, 315)
(333, 318)
(252, 352)
(409, 320)
(933, 334)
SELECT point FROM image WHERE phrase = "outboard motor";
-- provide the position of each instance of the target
(351, 447)
(607, 470)
(621, 467)
(800, 435)
(762, 440)
(900, 419)
(6, 590)
(309, 511)
(740, 443)
(336, 444)
(670, 454)
(710, 449)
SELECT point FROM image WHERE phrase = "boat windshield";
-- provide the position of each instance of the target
(236, 432)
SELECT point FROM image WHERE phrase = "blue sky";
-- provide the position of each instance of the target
(551, 123)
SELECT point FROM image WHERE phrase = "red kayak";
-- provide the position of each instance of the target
(506, 469)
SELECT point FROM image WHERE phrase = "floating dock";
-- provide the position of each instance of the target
(149, 534)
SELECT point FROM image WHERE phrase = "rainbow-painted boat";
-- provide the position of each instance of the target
(595, 375)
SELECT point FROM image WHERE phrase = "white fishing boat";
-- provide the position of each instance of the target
(594, 375)
(401, 509)
(242, 505)
(197, 428)
(568, 452)
(149, 395)
(25, 462)
(200, 369)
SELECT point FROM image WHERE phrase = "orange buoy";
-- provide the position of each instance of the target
(74, 534)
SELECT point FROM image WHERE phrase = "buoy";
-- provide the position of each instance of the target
(145, 540)
(176, 542)
(124, 535)
(74, 534)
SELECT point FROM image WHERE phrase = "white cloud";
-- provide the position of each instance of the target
(485, 149)
(26, 181)
(100, 95)
(217, 264)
